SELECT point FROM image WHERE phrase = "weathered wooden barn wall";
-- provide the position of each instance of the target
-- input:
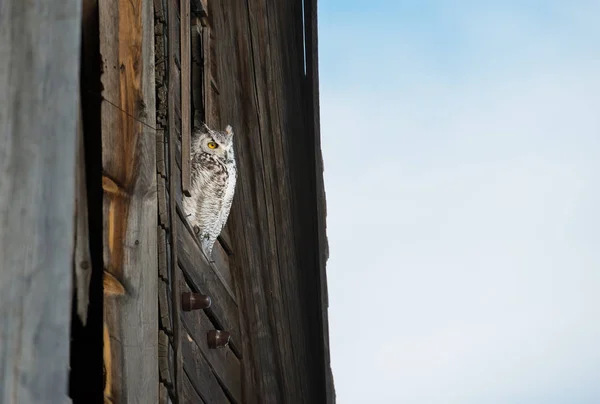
(318, 243)
(39, 65)
(277, 224)
(190, 370)
(130, 196)
(316, 237)
(267, 282)
(238, 63)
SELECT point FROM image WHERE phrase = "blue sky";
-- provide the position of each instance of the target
(461, 143)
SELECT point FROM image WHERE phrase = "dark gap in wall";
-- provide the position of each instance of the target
(226, 247)
(86, 379)
(313, 273)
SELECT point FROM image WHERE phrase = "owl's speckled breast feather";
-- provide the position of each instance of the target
(214, 176)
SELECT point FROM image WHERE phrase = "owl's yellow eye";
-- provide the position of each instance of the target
(212, 145)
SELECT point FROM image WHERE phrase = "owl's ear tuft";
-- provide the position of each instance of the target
(229, 130)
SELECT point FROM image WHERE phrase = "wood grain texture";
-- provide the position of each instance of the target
(162, 250)
(206, 76)
(163, 394)
(164, 367)
(163, 197)
(130, 215)
(206, 280)
(189, 395)
(196, 74)
(223, 362)
(225, 240)
(39, 78)
(322, 246)
(82, 261)
(174, 116)
(164, 307)
(160, 153)
(221, 264)
(239, 104)
(186, 96)
(199, 372)
(273, 226)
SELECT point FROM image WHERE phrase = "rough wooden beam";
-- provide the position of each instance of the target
(82, 260)
(196, 73)
(163, 394)
(161, 167)
(186, 96)
(206, 76)
(321, 245)
(205, 279)
(222, 362)
(189, 394)
(198, 370)
(39, 78)
(164, 308)
(221, 263)
(174, 101)
(163, 211)
(130, 212)
(164, 367)
(162, 254)
(259, 60)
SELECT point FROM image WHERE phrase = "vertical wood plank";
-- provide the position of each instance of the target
(174, 182)
(196, 73)
(206, 75)
(39, 78)
(130, 206)
(81, 257)
(263, 92)
(186, 114)
(322, 246)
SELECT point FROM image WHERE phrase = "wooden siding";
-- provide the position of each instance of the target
(168, 325)
(317, 238)
(276, 233)
(193, 371)
(39, 68)
(267, 281)
(130, 198)
(228, 62)
(82, 260)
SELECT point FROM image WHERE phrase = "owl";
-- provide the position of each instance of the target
(214, 175)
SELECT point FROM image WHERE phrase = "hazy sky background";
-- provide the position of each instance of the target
(461, 142)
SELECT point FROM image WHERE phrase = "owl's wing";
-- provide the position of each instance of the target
(228, 196)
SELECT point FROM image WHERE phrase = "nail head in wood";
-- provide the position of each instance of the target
(218, 338)
(194, 301)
